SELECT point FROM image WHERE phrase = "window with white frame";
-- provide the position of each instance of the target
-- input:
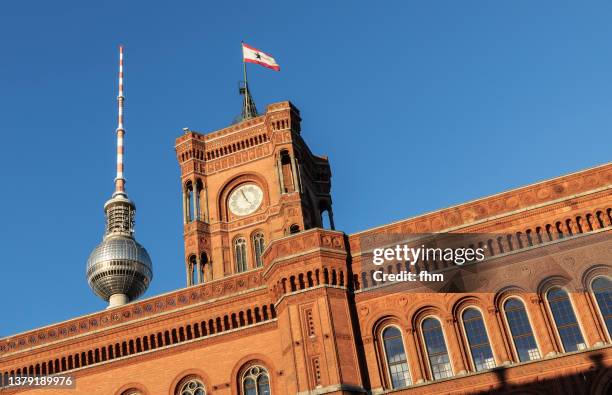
(397, 364)
(255, 381)
(439, 361)
(520, 329)
(240, 254)
(478, 340)
(565, 319)
(191, 387)
(258, 246)
(602, 290)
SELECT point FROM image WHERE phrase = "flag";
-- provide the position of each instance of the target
(254, 55)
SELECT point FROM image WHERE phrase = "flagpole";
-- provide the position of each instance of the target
(246, 84)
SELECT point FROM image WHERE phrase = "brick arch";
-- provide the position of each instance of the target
(554, 281)
(465, 302)
(190, 372)
(425, 309)
(129, 386)
(254, 359)
(372, 323)
(386, 319)
(258, 230)
(510, 290)
(594, 271)
(229, 186)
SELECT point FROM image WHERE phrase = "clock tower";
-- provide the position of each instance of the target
(246, 185)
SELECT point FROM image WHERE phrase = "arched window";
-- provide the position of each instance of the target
(193, 270)
(439, 362)
(565, 319)
(520, 329)
(240, 254)
(397, 365)
(258, 245)
(293, 229)
(286, 169)
(602, 289)
(255, 381)
(327, 218)
(478, 340)
(199, 187)
(191, 386)
(190, 198)
(205, 268)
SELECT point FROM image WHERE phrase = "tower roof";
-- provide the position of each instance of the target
(249, 110)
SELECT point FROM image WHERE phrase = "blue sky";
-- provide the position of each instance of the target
(419, 105)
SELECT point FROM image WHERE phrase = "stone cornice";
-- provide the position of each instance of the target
(239, 127)
(303, 243)
(167, 303)
(495, 206)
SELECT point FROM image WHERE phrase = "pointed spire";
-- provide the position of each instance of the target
(248, 104)
(119, 180)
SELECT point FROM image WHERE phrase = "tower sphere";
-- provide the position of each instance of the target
(119, 266)
(119, 269)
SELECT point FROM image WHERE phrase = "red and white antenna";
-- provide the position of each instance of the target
(119, 248)
(119, 180)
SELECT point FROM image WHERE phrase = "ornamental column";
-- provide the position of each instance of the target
(297, 186)
(330, 214)
(279, 169)
(188, 272)
(194, 198)
(587, 314)
(210, 270)
(541, 327)
(371, 349)
(205, 211)
(414, 357)
(185, 206)
(198, 269)
(497, 340)
(456, 351)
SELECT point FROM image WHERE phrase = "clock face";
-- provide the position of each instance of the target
(245, 199)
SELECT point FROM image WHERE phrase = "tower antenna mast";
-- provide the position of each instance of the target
(119, 269)
(119, 180)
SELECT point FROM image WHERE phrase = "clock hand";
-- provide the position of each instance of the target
(244, 196)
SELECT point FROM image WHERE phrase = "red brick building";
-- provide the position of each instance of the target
(275, 304)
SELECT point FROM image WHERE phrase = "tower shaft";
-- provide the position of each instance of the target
(119, 180)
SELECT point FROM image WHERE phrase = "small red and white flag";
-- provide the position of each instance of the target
(254, 55)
